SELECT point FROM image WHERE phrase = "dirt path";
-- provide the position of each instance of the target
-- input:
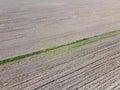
(93, 67)
(28, 25)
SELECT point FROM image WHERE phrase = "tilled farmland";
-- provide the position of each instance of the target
(92, 67)
(59, 45)
(28, 25)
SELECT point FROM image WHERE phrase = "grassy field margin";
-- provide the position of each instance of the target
(71, 45)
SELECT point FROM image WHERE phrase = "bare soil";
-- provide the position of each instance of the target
(29, 25)
(92, 67)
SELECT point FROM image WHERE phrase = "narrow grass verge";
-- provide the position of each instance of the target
(71, 45)
(95, 39)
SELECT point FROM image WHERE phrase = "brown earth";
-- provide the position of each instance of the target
(29, 25)
(92, 67)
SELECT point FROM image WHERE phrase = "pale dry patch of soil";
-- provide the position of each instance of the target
(29, 25)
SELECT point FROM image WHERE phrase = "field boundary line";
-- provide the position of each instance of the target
(69, 45)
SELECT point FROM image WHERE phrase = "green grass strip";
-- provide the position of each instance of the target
(73, 44)
(86, 42)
